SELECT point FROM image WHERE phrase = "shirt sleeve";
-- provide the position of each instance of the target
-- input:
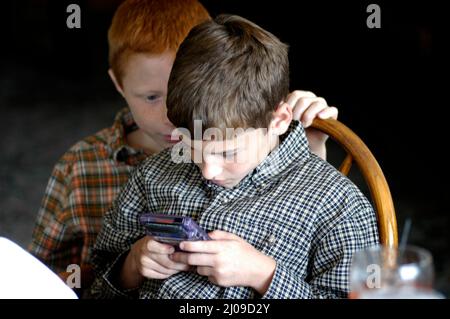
(51, 236)
(119, 231)
(330, 264)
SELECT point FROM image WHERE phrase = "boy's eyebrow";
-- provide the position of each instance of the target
(141, 91)
(145, 92)
(214, 152)
(230, 151)
(219, 152)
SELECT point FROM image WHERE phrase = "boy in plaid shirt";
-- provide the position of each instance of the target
(283, 222)
(86, 180)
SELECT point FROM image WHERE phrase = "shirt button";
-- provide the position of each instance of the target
(271, 240)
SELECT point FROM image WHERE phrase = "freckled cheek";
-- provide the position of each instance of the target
(159, 111)
(150, 116)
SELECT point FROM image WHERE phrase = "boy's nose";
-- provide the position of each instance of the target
(210, 171)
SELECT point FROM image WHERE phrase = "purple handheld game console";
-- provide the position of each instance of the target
(172, 229)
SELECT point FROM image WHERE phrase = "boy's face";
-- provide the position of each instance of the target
(144, 87)
(227, 162)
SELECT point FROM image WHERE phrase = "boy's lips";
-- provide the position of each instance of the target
(168, 138)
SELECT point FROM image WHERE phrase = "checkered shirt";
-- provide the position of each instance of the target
(294, 207)
(82, 187)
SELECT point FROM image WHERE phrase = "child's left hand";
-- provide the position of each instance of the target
(228, 260)
(306, 107)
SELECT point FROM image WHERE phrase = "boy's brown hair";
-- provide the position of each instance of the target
(228, 73)
(150, 27)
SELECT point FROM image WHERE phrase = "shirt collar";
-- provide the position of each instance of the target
(121, 152)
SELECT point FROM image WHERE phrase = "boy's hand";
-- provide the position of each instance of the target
(306, 107)
(228, 260)
(149, 258)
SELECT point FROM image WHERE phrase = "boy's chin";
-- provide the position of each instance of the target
(225, 184)
(220, 183)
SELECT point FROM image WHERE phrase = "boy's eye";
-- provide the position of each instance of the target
(152, 98)
(228, 154)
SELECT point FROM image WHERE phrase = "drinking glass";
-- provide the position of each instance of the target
(392, 273)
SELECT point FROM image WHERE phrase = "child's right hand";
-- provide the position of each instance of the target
(153, 261)
(150, 259)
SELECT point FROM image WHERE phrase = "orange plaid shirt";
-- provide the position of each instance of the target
(82, 187)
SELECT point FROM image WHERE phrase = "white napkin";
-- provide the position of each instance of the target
(22, 276)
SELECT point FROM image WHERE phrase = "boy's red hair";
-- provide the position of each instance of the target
(150, 27)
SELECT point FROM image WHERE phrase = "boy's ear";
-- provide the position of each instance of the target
(281, 119)
(116, 83)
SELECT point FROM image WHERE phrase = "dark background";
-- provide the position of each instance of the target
(388, 84)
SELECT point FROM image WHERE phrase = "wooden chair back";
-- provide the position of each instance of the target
(371, 171)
